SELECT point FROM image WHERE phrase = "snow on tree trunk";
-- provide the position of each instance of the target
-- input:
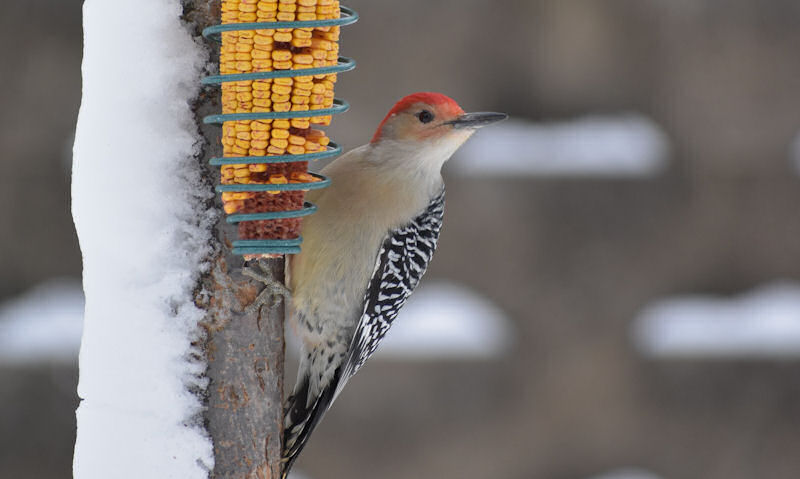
(140, 210)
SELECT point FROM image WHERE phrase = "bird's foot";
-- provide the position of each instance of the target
(274, 291)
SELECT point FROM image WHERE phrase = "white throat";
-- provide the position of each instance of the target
(419, 161)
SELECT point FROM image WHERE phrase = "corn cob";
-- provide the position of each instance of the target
(267, 50)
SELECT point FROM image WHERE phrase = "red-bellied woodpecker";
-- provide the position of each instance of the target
(367, 247)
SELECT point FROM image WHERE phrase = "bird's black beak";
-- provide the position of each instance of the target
(477, 120)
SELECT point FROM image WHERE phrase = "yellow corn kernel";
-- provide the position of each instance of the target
(279, 142)
(295, 150)
(282, 37)
(263, 65)
(301, 42)
(304, 177)
(278, 179)
(280, 133)
(281, 89)
(321, 44)
(262, 40)
(230, 207)
(281, 55)
(266, 16)
(258, 135)
(301, 123)
(303, 58)
(303, 33)
(267, 6)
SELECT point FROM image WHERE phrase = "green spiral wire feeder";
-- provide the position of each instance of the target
(277, 246)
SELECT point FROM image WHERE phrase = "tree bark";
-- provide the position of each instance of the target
(244, 350)
(245, 369)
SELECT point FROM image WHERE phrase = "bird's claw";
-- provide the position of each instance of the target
(274, 291)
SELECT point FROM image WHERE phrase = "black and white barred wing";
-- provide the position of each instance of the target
(401, 262)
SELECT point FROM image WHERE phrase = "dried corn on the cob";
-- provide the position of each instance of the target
(263, 50)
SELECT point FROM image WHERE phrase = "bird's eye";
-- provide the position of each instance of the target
(425, 116)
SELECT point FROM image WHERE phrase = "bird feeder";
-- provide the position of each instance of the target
(278, 66)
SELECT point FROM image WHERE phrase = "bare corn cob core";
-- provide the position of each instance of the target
(267, 50)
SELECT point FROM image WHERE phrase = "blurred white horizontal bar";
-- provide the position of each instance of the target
(763, 323)
(443, 320)
(43, 325)
(628, 145)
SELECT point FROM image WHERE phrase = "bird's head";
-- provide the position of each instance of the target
(431, 121)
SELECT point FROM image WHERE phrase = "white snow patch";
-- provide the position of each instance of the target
(446, 321)
(763, 323)
(42, 325)
(608, 146)
(137, 203)
(627, 473)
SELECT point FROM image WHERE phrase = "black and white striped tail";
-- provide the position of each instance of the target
(300, 419)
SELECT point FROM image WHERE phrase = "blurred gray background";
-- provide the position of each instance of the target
(572, 260)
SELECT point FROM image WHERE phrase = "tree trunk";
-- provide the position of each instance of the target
(244, 349)
(245, 368)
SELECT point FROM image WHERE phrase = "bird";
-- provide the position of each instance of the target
(366, 248)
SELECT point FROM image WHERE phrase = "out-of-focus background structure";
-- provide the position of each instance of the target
(617, 290)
